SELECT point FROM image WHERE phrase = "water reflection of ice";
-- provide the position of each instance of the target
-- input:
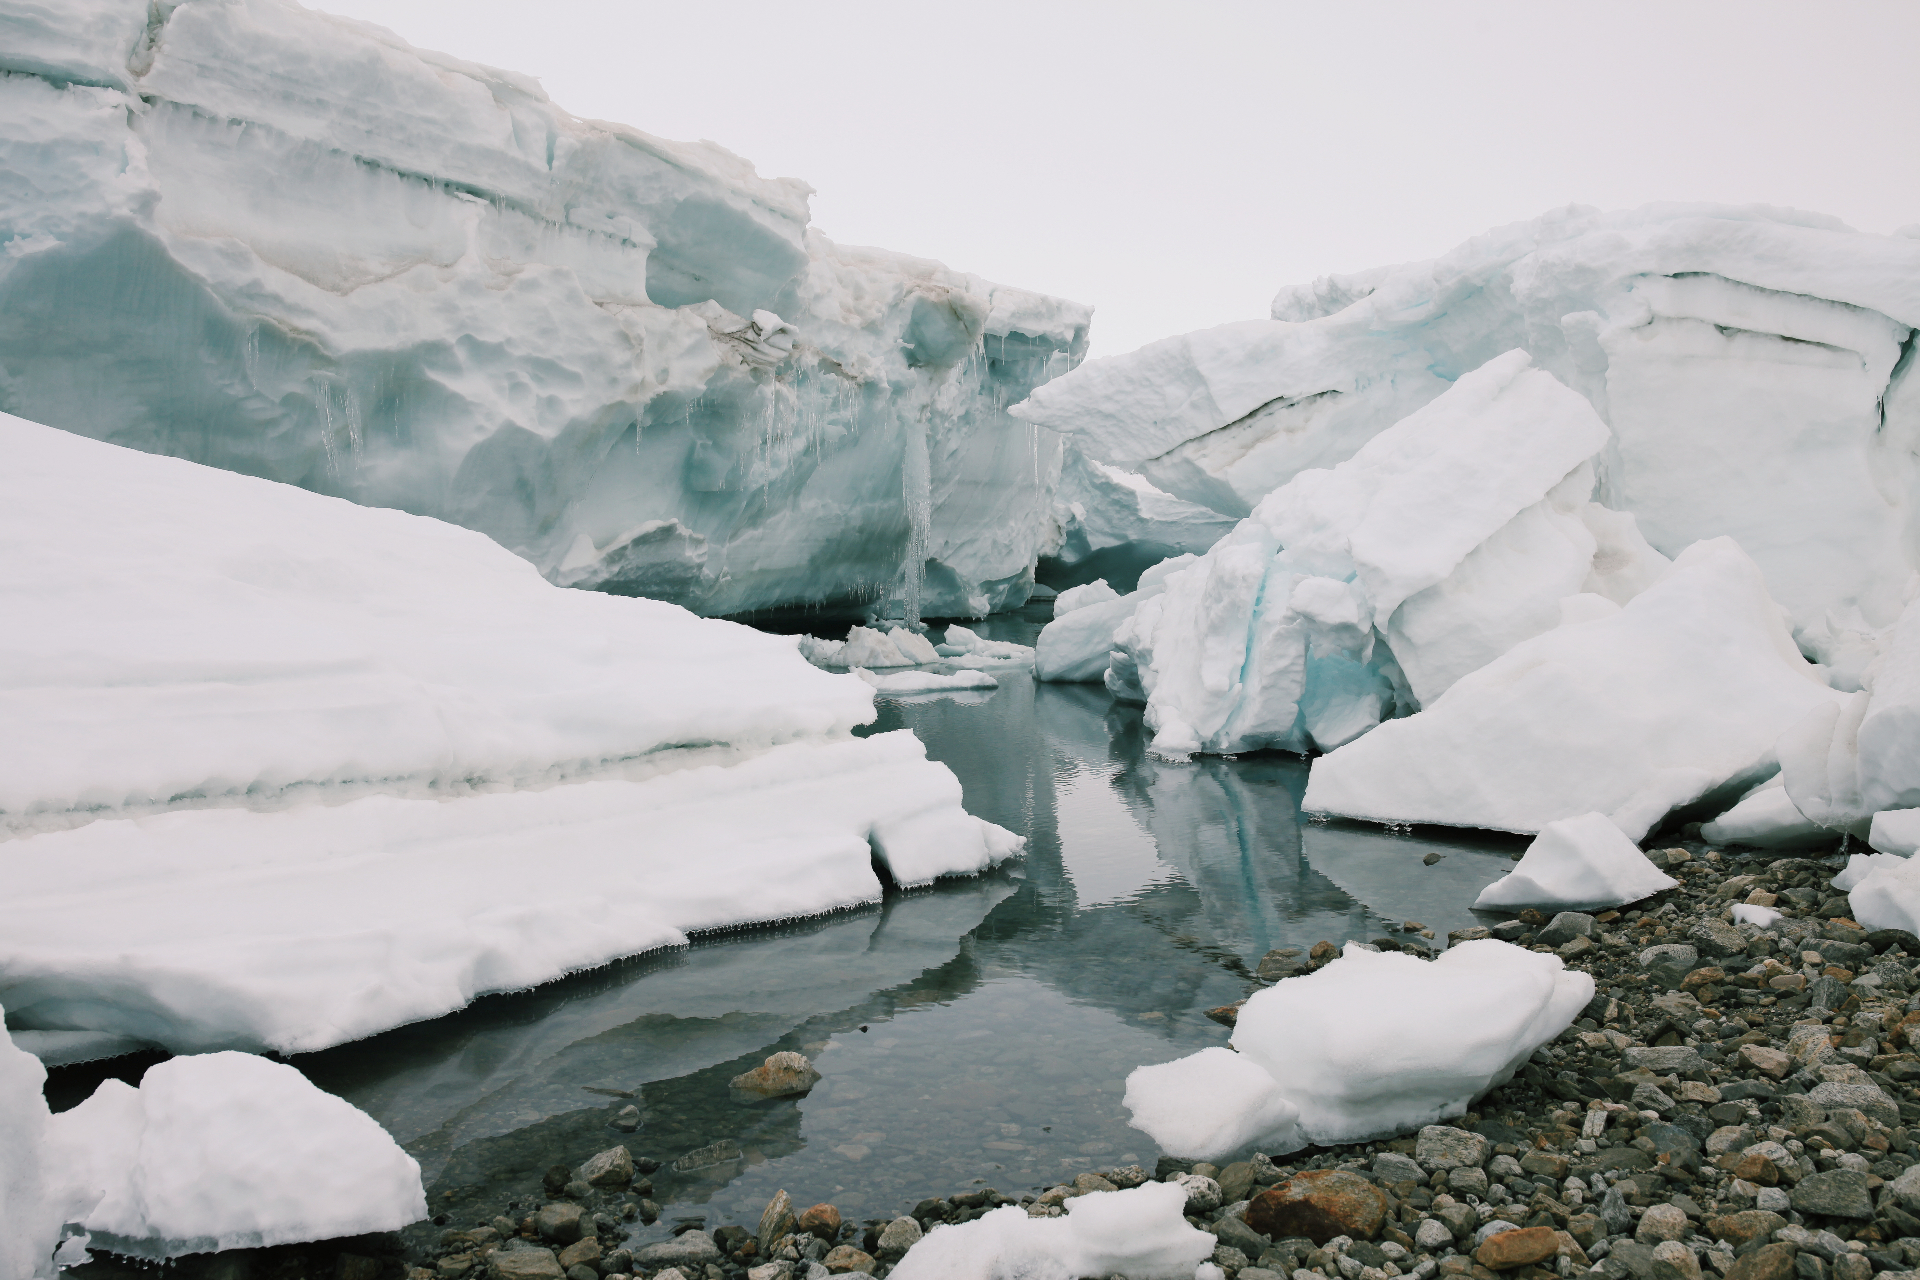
(1107, 855)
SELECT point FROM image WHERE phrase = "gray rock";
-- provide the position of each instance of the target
(1503, 1166)
(1661, 1222)
(1614, 1213)
(1392, 1167)
(690, 1249)
(1564, 928)
(560, 1222)
(899, 1236)
(525, 1264)
(611, 1168)
(1670, 961)
(1649, 1098)
(1467, 1182)
(1493, 1228)
(1827, 992)
(1863, 1097)
(706, 1157)
(1232, 1230)
(1678, 1059)
(1431, 1236)
(1716, 938)
(581, 1271)
(1441, 1146)
(776, 1220)
(1259, 1273)
(627, 1119)
(1634, 1257)
(1674, 1261)
(1906, 1188)
(1203, 1193)
(1837, 1193)
(770, 1271)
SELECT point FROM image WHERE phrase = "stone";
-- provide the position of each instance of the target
(559, 1222)
(1441, 1146)
(897, 1237)
(1837, 1193)
(1431, 1236)
(1746, 1226)
(582, 1271)
(1134, 1175)
(776, 1220)
(1906, 1188)
(1575, 949)
(1236, 1181)
(1661, 1222)
(822, 1220)
(1544, 1164)
(1669, 962)
(784, 1075)
(1521, 1247)
(674, 1273)
(1772, 1199)
(770, 1271)
(1586, 1229)
(1492, 1228)
(1678, 1059)
(1564, 928)
(688, 1249)
(1392, 1167)
(525, 1264)
(1852, 1266)
(1320, 1205)
(1085, 1182)
(1771, 1063)
(1467, 1182)
(1459, 1218)
(1203, 1193)
(627, 1119)
(842, 1259)
(1768, 1262)
(1637, 1258)
(1673, 1261)
(1613, 1210)
(1648, 1097)
(1861, 1097)
(1711, 975)
(581, 1252)
(611, 1168)
(1716, 938)
(1232, 1230)
(1698, 1091)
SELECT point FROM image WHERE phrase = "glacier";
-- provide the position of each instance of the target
(289, 244)
(1755, 367)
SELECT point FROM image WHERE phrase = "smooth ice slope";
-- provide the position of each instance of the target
(1369, 589)
(1754, 364)
(178, 631)
(231, 1151)
(1578, 864)
(1679, 697)
(1141, 1233)
(289, 244)
(1464, 1024)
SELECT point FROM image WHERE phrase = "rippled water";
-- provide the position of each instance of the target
(976, 1032)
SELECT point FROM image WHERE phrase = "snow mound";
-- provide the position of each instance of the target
(231, 1151)
(306, 927)
(1356, 593)
(1079, 646)
(416, 282)
(1678, 697)
(178, 631)
(1766, 818)
(1141, 1233)
(1896, 831)
(927, 681)
(1464, 1023)
(1748, 362)
(1578, 864)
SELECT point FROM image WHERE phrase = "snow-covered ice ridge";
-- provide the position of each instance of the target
(281, 771)
(1755, 367)
(629, 360)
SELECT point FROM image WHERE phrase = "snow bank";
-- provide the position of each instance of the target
(1846, 762)
(40, 1191)
(1078, 644)
(1747, 360)
(1464, 1023)
(1140, 1233)
(927, 681)
(289, 244)
(1766, 818)
(231, 1151)
(309, 926)
(178, 631)
(1896, 831)
(1578, 864)
(1679, 697)
(1451, 537)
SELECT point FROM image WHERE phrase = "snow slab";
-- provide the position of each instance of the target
(305, 927)
(589, 321)
(1577, 864)
(40, 1190)
(1896, 831)
(231, 1151)
(1843, 764)
(1678, 697)
(1766, 818)
(1887, 896)
(1141, 1233)
(906, 682)
(1469, 1019)
(970, 647)
(180, 632)
(1748, 361)
(1077, 647)
(1354, 594)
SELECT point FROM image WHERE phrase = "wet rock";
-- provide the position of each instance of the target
(1661, 1222)
(690, 1250)
(899, 1236)
(706, 1157)
(776, 1220)
(1441, 1146)
(580, 1252)
(577, 1190)
(611, 1168)
(1505, 1250)
(1769, 1262)
(1320, 1206)
(784, 1075)
(843, 1259)
(559, 1222)
(1673, 1261)
(525, 1264)
(822, 1220)
(627, 1119)
(1837, 1193)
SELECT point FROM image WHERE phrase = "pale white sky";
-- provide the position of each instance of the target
(1174, 164)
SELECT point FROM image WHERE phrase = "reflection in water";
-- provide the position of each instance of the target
(978, 1031)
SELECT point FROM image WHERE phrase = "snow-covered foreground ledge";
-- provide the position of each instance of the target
(259, 752)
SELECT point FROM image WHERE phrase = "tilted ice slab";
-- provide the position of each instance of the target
(306, 927)
(1141, 1233)
(231, 1151)
(1078, 644)
(289, 244)
(1369, 589)
(1578, 864)
(1678, 697)
(1464, 1023)
(1748, 361)
(175, 631)
(1766, 818)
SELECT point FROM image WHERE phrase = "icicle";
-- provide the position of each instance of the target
(917, 480)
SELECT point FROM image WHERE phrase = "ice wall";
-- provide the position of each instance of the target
(1756, 367)
(289, 244)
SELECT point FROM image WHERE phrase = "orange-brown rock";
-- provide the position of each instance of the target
(1320, 1205)
(1768, 1262)
(1755, 1169)
(1738, 1228)
(1506, 1250)
(822, 1220)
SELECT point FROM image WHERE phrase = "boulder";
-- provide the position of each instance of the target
(784, 1075)
(611, 1168)
(1521, 1247)
(1836, 1193)
(1441, 1146)
(1320, 1205)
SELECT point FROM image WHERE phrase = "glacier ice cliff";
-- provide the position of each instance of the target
(288, 244)
(1755, 367)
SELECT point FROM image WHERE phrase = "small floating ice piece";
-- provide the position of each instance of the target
(962, 643)
(1141, 1233)
(927, 681)
(1578, 864)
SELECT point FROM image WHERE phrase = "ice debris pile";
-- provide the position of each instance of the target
(291, 748)
(1141, 1233)
(1304, 1070)
(289, 244)
(217, 1151)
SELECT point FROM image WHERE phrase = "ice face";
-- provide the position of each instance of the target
(629, 360)
(1755, 367)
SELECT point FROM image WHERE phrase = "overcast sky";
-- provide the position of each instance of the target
(1174, 164)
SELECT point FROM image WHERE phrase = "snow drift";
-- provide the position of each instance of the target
(631, 361)
(1141, 1233)
(1754, 365)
